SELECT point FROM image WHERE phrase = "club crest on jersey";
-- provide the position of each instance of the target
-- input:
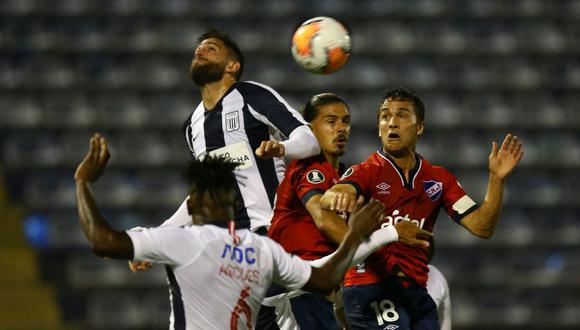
(347, 173)
(433, 189)
(232, 121)
(315, 177)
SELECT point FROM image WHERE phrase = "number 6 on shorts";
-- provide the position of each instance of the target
(385, 311)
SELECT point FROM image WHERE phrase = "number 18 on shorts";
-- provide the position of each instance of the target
(389, 306)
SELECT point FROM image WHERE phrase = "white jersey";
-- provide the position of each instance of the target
(438, 289)
(214, 283)
(247, 114)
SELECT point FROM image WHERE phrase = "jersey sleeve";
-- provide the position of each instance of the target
(269, 107)
(289, 270)
(309, 182)
(172, 246)
(455, 201)
(360, 177)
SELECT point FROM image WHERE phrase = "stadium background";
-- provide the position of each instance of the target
(483, 68)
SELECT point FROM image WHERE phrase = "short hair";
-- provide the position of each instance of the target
(230, 44)
(310, 109)
(210, 174)
(403, 94)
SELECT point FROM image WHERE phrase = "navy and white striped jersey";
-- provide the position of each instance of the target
(247, 114)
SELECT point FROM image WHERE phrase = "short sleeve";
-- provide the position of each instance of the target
(173, 246)
(309, 182)
(359, 176)
(289, 270)
(455, 201)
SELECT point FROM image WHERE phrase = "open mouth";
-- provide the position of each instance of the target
(341, 139)
(393, 136)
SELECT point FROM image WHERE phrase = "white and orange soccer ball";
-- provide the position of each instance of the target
(321, 45)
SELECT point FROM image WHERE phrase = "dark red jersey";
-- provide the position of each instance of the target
(417, 200)
(292, 226)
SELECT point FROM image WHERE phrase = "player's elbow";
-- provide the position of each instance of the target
(485, 233)
(99, 249)
(320, 282)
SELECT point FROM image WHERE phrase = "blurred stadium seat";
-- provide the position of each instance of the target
(483, 67)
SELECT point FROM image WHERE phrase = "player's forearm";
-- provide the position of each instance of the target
(104, 240)
(333, 231)
(330, 225)
(482, 222)
(301, 144)
(376, 240)
(325, 278)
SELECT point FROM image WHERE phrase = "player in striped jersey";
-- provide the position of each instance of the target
(218, 274)
(388, 289)
(244, 121)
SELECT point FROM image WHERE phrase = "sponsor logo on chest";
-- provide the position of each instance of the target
(395, 218)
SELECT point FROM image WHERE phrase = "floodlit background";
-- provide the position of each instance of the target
(483, 67)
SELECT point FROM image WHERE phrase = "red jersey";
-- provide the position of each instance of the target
(418, 200)
(292, 226)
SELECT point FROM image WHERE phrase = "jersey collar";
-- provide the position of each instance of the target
(412, 174)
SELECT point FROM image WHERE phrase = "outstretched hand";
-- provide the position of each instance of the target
(269, 149)
(411, 234)
(93, 165)
(502, 161)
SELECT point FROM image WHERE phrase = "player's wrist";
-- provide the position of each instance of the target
(495, 179)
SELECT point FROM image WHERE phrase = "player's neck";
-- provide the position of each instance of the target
(331, 159)
(406, 159)
(211, 93)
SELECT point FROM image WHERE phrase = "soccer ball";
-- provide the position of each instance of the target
(321, 45)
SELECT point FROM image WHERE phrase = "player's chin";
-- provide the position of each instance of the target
(340, 151)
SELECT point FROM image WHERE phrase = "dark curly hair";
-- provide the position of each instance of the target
(210, 174)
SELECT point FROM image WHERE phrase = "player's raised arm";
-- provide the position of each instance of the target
(341, 197)
(300, 144)
(105, 241)
(502, 161)
(364, 221)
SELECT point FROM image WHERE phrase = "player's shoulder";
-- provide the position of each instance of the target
(198, 109)
(435, 170)
(254, 88)
(315, 169)
(317, 162)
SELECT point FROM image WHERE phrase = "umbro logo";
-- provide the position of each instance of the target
(391, 327)
(383, 188)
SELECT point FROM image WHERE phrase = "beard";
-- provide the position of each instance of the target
(203, 74)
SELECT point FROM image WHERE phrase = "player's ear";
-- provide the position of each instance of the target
(420, 128)
(233, 67)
